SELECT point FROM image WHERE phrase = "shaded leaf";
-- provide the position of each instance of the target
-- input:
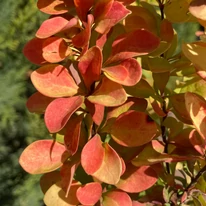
(137, 179)
(43, 156)
(108, 93)
(38, 103)
(133, 128)
(128, 73)
(54, 80)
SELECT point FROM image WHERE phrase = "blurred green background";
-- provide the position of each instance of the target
(18, 128)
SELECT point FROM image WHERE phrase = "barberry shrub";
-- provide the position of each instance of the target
(126, 112)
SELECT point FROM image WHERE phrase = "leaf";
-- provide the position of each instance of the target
(116, 198)
(53, 80)
(33, 51)
(55, 49)
(116, 13)
(136, 43)
(55, 25)
(48, 179)
(54, 7)
(137, 179)
(132, 103)
(195, 52)
(60, 110)
(43, 156)
(196, 108)
(56, 196)
(141, 90)
(140, 18)
(133, 128)
(72, 135)
(198, 9)
(90, 66)
(83, 7)
(81, 39)
(128, 73)
(108, 93)
(37, 103)
(166, 31)
(89, 193)
(96, 111)
(105, 165)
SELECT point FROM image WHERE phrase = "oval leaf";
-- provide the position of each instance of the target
(133, 129)
(128, 73)
(60, 110)
(43, 156)
(109, 94)
(90, 193)
(53, 80)
(137, 179)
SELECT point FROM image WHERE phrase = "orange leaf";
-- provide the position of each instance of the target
(60, 110)
(128, 73)
(53, 80)
(137, 179)
(133, 129)
(108, 93)
(43, 156)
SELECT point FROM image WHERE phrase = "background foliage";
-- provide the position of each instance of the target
(18, 128)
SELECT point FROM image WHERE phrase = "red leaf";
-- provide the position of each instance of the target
(90, 66)
(137, 179)
(33, 51)
(126, 2)
(38, 103)
(128, 73)
(117, 198)
(60, 110)
(108, 93)
(117, 12)
(55, 25)
(166, 31)
(105, 165)
(196, 107)
(72, 135)
(82, 39)
(136, 43)
(83, 7)
(55, 7)
(133, 129)
(43, 156)
(53, 80)
(96, 111)
(90, 193)
(198, 9)
(55, 49)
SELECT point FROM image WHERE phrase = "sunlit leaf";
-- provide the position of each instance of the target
(38, 103)
(56, 196)
(196, 107)
(59, 111)
(54, 80)
(136, 43)
(137, 179)
(198, 9)
(105, 165)
(108, 94)
(33, 51)
(116, 13)
(55, 49)
(128, 73)
(43, 156)
(133, 128)
(55, 25)
(116, 198)
(90, 66)
(54, 7)
(90, 193)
